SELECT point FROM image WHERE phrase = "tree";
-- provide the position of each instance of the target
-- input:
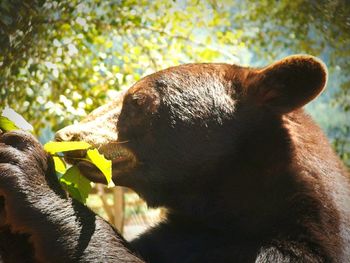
(61, 59)
(321, 28)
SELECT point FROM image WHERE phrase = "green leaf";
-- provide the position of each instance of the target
(54, 147)
(60, 165)
(77, 185)
(16, 119)
(101, 163)
(7, 125)
(73, 191)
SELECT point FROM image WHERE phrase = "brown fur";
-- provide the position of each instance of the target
(245, 174)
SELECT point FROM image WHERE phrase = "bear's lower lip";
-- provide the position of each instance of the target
(122, 159)
(120, 165)
(91, 172)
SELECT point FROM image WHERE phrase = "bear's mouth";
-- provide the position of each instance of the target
(123, 160)
(99, 129)
(117, 152)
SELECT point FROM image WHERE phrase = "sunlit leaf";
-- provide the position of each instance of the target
(16, 119)
(80, 185)
(72, 190)
(6, 124)
(72, 178)
(11, 120)
(60, 165)
(101, 163)
(55, 147)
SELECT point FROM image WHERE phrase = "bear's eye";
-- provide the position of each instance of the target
(138, 99)
(147, 102)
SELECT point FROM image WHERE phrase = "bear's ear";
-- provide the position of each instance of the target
(288, 84)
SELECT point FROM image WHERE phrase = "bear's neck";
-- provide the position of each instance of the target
(265, 184)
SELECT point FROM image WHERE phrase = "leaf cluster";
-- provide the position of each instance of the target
(69, 176)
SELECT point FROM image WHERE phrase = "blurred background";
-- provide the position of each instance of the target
(61, 59)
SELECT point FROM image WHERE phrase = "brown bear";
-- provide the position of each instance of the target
(245, 174)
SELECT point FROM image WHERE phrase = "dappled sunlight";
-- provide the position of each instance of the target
(59, 60)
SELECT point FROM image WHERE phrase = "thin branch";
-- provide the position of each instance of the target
(160, 31)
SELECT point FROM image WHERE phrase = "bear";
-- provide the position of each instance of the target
(39, 222)
(244, 173)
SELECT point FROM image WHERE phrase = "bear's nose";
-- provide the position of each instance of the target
(65, 135)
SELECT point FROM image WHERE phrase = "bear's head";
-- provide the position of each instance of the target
(201, 129)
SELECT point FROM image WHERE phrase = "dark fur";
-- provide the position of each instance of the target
(58, 228)
(245, 174)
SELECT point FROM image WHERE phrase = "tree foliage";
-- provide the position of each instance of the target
(320, 28)
(61, 59)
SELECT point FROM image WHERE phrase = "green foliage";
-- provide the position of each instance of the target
(11, 120)
(70, 178)
(320, 28)
(60, 165)
(61, 59)
(55, 147)
(101, 163)
(77, 185)
(92, 155)
(6, 124)
(83, 50)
